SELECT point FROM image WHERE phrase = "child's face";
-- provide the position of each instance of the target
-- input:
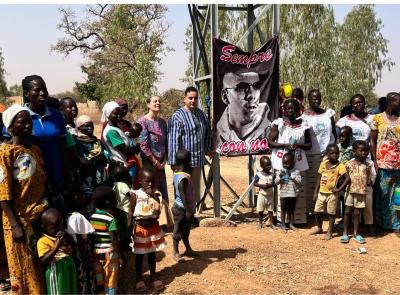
(147, 182)
(87, 128)
(134, 133)
(333, 155)
(265, 164)
(361, 152)
(344, 136)
(53, 225)
(288, 163)
(70, 109)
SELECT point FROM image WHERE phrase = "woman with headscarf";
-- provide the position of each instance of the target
(92, 156)
(22, 183)
(115, 139)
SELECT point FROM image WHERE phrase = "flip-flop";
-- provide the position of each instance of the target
(344, 239)
(141, 287)
(360, 239)
(158, 285)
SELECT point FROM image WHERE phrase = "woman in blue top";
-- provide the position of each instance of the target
(49, 133)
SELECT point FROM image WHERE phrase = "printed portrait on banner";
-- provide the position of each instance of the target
(245, 101)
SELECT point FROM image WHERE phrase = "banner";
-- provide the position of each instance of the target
(245, 97)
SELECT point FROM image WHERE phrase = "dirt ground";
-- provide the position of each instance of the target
(245, 260)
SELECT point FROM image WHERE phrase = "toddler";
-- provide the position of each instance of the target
(55, 252)
(289, 181)
(147, 234)
(107, 255)
(326, 191)
(264, 180)
(133, 159)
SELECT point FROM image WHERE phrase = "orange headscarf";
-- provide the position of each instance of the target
(3, 107)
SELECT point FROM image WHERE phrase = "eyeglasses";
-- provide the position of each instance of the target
(245, 87)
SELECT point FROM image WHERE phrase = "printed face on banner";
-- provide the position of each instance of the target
(241, 94)
(245, 88)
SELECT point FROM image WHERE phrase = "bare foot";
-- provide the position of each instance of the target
(191, 253)
(178, 257)
(260, 225)
(328, 236)
(316, 231)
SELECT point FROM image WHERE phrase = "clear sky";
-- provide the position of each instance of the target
(27, 31)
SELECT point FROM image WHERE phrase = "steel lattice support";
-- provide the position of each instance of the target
(203, 18)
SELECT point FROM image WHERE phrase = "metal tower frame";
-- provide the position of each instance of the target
(209, 19)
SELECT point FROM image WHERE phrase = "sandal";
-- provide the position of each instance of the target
(178, 257)
(344, 239)
(360, 239)
(141, 287)
(158, 285)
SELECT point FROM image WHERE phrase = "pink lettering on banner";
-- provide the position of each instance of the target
(244, 59)
(232, 147)
(258, 145)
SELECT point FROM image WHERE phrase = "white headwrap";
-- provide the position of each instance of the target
(107, 109)
(10, 113)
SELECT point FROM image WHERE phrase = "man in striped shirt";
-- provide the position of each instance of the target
(189, 129)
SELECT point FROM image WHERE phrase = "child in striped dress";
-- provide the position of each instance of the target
(147, 234)
(107, 255)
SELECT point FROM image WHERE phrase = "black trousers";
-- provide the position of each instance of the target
(181, 223)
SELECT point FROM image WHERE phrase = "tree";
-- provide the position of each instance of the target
(316, 52)
(74, 93)
(3, 85)
(171, 101)
(15, 90)
(123, 45)
(362, 53)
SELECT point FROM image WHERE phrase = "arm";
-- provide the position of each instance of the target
(46, 258)
(317, 186)
(132, 205)
(114, 241)
(16, 228)
(307, 141)
(373, 141)
(209, 142)
(273, 137)
(174, 137)
(333, 128)
(344, 184)
(182, 189)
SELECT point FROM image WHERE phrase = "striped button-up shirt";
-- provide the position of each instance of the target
(190, 131)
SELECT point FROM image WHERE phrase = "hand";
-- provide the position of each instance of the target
(210, 154)
(121, 261)
(17, 233)
(292, 147)
(60, 239)
(335, 190)
(189, 215)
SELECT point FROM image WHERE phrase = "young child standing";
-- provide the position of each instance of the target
(345, 149)
(80, 229)
(326, 191)
(184, 206)
(289, 181)
(107, 255)
(147, 234)
(264, 180)
(360, 171)
(55, 252)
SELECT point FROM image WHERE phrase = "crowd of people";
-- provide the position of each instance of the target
(73, 205)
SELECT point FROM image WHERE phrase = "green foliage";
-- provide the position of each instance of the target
(3, 86)
(15, 90)
(315, 51)
(123, 45)
(172, 99)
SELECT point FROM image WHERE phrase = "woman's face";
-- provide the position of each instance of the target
(37, 93)
(87, 128)
(124, 109)
(154, 104)
(116, 116)
(291, 111)
(22, 125)
(314, 100)
(70, 109)
(358, 105)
